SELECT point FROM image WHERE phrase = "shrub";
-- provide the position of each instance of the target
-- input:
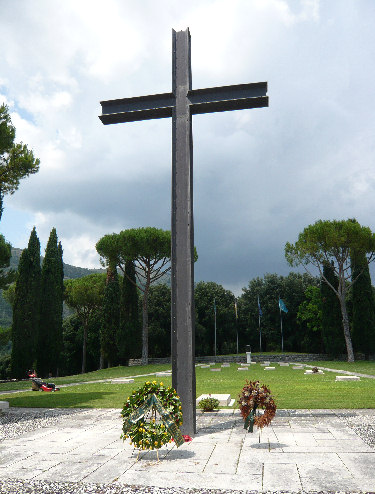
(208, 404)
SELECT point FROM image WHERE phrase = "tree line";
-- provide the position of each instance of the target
(106, 327)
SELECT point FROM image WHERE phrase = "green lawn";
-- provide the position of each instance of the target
(291, 388)
(111, 373)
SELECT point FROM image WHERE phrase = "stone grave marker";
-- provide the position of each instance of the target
(348, 378)
(120, 380)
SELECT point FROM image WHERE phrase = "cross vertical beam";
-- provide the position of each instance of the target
(181, 104)
(183, 335)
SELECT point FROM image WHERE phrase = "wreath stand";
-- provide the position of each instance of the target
(152, 416)
(255, 396)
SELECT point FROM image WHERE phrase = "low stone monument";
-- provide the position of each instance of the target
(122, 380)
(348, 378)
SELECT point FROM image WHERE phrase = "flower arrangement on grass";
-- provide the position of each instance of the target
(253, 397)
(150, 431)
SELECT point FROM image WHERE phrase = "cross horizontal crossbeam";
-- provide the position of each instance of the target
(209, 100)
(181, 104)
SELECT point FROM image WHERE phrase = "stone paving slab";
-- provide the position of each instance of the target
(301, 451)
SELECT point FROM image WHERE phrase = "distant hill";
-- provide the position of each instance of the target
(69, 273)
(69, 270)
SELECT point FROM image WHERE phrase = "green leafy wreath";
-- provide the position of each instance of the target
(150, 432)
(252, 397)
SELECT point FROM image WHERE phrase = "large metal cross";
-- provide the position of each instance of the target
(181, 104)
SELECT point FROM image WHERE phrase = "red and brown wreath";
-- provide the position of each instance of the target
(255, 396)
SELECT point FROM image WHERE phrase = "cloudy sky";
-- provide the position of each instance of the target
(260, 176)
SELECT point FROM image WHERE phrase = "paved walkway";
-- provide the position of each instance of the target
(301, 451)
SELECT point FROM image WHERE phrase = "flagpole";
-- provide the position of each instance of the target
(215, 324)
(282, 337)
(235, 309)
(260, 328)
(260, 335)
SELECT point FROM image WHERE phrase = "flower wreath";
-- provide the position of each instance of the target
(255, 396)
(150, 432)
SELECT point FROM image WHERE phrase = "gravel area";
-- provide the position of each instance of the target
(16, 422)
(365, 429)
(37, 487)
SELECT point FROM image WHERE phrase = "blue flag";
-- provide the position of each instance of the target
(259, 309)
(282, 306)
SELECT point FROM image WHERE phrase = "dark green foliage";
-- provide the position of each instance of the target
(85, 295)
(204, 295)
(50, 327)
(26, 309)
(309, 317)
(363, 318)
(291, 289)
(5, 338)
(5, 372)
(71, 356)
(129, 338)
(6, 276)
(16, 161)
(333, 338)
(111, 318)
(159, 310)
(71, 361)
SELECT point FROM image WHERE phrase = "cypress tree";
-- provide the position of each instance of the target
(333, 338)
(363, 322)
(26, 309)
(59, 305)
(129, 338)
(110, 318)
(50, 328)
